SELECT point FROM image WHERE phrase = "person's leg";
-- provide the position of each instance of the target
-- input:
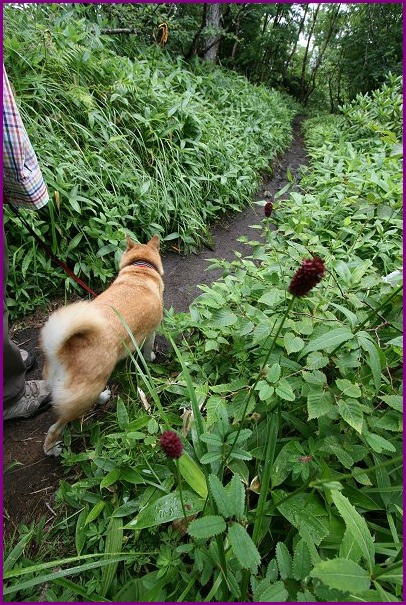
(13, 365)
(21, 399)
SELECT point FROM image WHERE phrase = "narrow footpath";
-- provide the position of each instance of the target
(30, 477)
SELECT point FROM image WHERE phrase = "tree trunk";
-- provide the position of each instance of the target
(309, 37)
(213, 17)
(332, 24)
(289, 59)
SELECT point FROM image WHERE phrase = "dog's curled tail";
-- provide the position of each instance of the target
(78, 319)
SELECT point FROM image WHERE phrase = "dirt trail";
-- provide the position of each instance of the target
(30, 478)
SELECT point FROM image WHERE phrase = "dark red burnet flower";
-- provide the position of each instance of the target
(171, 444)
(309, 274)
(268, 208)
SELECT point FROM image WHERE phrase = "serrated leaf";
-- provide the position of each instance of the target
(302, 563)
(210, 457)
(319, 403)
(218, 491)
(244, 548)
(284, 390)
(236, 494)
(212, 439)
(292, 343)
(373, 357)
(224, 318)
(351, 411)
(342, 574)
(265, 390)
(275, 593)
(349, 548)
(214, 406)
(378, 443)
(298, 511)
(393, 401)
(328, 341)
(357, 526)
(206, 527)
(316, 360)
(348, 388)
(166, 509)
(261, 332)
(273, 373)
(284, 561)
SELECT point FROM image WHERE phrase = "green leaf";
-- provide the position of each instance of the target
(166, 509)
(292, 343)
(342, 574)
(349, 548)
(212, 439)
(273, 373)
(236, 494)
(223, 502)
(357, 526)
(224, 318)
(328, 341)
(206, 527)
(348, 388)
(284, 561)
(282, 466)
(302, 563)
(275, 593)
(95, 512)
(113, 544)
(300, 511)
(192, 474)
(351, 411)
(210, 457)
(215, 406)
(122, 415)
(393, 401)
(316, 360)
(319, 403)
(111, 477)
(244, 548)
(373, 356)
(378, 443)
(284, 390)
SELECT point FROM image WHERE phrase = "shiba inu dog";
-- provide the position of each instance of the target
(83, 342)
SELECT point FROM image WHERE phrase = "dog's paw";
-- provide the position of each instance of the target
(152, 356)
(55, 450)
(104, 397)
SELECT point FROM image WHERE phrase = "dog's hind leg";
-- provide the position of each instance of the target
(147, 347)
(104, 396)
(52, 445)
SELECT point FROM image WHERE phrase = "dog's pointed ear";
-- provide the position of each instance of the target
(154, 242)
(130, 242)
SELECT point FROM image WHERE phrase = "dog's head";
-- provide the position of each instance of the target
(148, 252)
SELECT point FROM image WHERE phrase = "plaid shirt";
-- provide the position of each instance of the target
(23, 184)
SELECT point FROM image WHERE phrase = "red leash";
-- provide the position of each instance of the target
(50, 253)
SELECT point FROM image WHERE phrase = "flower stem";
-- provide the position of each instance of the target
(180, 488)
(251, 391)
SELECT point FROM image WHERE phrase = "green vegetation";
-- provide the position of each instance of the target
(292, 413)
(142, 145)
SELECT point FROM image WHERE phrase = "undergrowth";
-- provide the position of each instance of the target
(289, 410)
(144, 145)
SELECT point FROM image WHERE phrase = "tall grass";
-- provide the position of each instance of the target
(144, 144)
